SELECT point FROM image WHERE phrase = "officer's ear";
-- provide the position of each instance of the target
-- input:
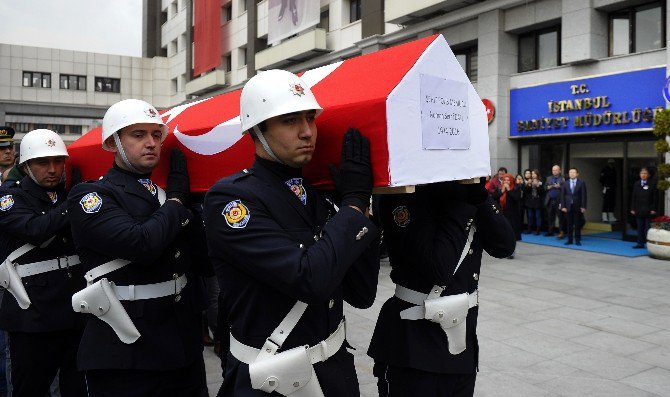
(111, 143)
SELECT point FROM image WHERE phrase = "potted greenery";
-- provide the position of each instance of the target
(658, 237)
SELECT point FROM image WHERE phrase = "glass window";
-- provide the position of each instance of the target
(354, 10)
(467, 58)
(37, 80)
(637, 29)
(527, 53)
(27, 79)
(73, 82)
(64, 82)
(619, 35)
(648, 28)
(82, 83)
(547, 45)
(462, 60)
(324, 22)
(106, 84)
(539, 50)
(46, 80)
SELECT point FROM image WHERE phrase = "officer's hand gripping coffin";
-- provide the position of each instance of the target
(414, 102)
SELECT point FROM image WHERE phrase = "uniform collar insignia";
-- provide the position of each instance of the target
(53, 196)
(295, 184)
(149, 185)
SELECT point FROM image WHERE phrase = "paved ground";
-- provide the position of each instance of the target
(554, 322)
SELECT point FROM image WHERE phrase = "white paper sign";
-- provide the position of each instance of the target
(444, 113)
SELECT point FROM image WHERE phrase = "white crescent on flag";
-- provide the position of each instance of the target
(228, 133)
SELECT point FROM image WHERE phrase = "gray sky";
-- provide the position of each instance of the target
(106, 26)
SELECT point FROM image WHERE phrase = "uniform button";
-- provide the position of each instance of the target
(475, 276)
(316, 238)
(65, 239)
(185, 222)
(302, 246)
(177, 298)
(470, 251)
(177, 254)
(175, 276)
(246, 171)
(100, 178)
(43, 212)
(331, 303)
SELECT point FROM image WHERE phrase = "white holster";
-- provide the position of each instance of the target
(450, 312)
(100, 300)
(10, 280)
(289, 373)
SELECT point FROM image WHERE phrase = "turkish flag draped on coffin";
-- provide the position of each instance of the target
(381, 94)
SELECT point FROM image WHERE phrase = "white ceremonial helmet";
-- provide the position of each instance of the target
(41, 143)
(129, 112)
(273, 93)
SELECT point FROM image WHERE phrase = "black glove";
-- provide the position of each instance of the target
(476, 192)
(353, 180)
(177, 181)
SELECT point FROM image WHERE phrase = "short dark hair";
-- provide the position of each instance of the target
(645, 169)
(574, 168)
(502, 169)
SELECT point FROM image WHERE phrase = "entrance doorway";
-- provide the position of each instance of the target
(621, 157)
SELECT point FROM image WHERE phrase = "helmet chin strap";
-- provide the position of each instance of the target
(122, 152)
(265, 145)
(30, 174)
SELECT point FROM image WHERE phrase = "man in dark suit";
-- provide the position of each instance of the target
(552, 200)
(573, 204)
(644, 202)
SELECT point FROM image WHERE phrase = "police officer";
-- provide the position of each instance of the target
(40, 272)
(425, 341)
(285, 259)
(146, 339)
(7, 153)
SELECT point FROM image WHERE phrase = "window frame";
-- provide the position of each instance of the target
(103, 82)
(357, 4)
(68, 78)
(536, 43)
(36, 79)
(632, 28)
(468, 52)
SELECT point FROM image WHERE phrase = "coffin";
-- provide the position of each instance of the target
(390, 96)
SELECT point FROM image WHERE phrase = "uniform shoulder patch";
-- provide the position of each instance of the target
(401, 216)
(6, 202)
(91, 203)
(237, 215)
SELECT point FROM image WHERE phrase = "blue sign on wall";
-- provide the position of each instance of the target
(617, 102)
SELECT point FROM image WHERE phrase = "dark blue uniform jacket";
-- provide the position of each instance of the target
(283, 252)
(425, 234)
(28, 215)
(130, 224)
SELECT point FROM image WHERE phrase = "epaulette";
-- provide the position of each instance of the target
(242, 174)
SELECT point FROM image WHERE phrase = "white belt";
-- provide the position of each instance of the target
(317, 353)
(150, 291)
(419, 298)
(104, 269)
(31, 269)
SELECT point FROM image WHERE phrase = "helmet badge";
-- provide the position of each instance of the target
(51, 143)
(297, 89)
(150, 112)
